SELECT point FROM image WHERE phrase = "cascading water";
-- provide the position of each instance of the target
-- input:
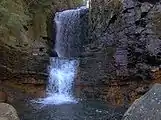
(59, 89)
(69, 37)
(68, 45)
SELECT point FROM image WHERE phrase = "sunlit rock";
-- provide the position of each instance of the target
(147, 107)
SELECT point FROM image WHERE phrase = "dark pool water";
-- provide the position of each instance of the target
(83, 110)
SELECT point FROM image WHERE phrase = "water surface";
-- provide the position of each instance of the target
(83, 110)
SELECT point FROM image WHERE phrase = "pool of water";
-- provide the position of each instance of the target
(83, 110)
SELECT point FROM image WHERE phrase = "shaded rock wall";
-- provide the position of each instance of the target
(129, 26)
(98, 65)
(124, 47)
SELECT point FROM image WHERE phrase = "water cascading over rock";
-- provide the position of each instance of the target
(71, 31)
(59, 89)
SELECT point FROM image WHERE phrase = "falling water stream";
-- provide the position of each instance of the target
(69, 27)
(59, 89)
(68, 46)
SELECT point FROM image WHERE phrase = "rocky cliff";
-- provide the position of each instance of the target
(26, 33)
(129, 28)
(124, 46)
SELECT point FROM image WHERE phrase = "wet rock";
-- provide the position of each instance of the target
(3, 97)
(32, 80)
(8, 112)
(40, 94)
(148, 107)
(135, 30)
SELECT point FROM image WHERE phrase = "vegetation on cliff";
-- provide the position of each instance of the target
(26, 27)
(17, 17)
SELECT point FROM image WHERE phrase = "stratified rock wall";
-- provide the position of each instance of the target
(124, 47)
(26, 33)
(129, 26)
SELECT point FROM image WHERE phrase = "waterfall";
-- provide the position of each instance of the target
(70, 37)
(87, 3)
(62, 72)
(61, 78)
(59, 89)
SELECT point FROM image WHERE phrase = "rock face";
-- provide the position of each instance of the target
(96, 66)
(148, 107)
(124, 45)
(130, 26)
(26, 33)
(129, 29)
(8, 112)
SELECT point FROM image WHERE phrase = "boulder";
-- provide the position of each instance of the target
(8, 112)
(148, 107)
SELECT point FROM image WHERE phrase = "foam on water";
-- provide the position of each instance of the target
(57, 99)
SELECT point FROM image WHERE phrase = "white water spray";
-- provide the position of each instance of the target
(59, 89)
